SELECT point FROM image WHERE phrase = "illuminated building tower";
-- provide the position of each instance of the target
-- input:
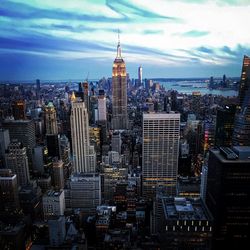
(160, 152)
(50, 119)
(80, 137)
(17, 161)
(241, 132)
(119, 92)
(18, 110)
(140, 75)
(228, 196)
(8, 190)
(224, 126)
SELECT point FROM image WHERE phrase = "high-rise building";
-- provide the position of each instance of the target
(116, 142)
(52, 136)
(50, 119)
(53, 204)
(24, 132)
(224, 126)
(80, 137)
(8, 190)
(17, 161)
(58, 175)
(102, 112)
(183, 223)
(18, 110)
(84, 192)
(160, 152)
(241, 133)
(4, 143)
(228, 196)
(140, 75)
(119, 92)
(57, 231)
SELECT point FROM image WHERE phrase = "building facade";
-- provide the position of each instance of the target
(17, 161)
(241, 133)
(228, 196)
(80, 137)
(119, 92)
(160, 152)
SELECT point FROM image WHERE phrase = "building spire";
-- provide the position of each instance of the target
(119, 50)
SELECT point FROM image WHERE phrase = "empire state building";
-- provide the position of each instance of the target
(119, 92)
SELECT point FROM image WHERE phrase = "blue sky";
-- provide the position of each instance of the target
(63, 39)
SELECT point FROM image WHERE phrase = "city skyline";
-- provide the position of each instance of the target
(67, 40)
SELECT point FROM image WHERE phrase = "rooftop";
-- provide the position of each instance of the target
(181, 208)
(52, 193)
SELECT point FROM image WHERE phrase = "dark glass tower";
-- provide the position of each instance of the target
(241, 132)
(224, 126)
(228, 196)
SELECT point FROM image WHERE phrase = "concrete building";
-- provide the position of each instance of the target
(24, 132)
(84, 192)
(184, 224)
(80, 138)
(102, 110)
(53, 204)
(4, 143)
(160, 152)
(8, 190)
(17, 161)
(58, 175)
(57, 231)
(116, 142)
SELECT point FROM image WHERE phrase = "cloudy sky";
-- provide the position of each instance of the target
(69, 39)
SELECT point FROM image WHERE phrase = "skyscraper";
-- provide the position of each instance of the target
(102, 113)
(50, 119)
(52, 136)
(228, 196)
(160, 151)
(17, 161)
(241, 132)
(224, 126)
(8, 190)
(140, 75)
(18, 110)
(24, 132)
(80, 137)
(4, 143)
(119, 92)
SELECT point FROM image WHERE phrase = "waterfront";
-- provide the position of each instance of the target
(188, 87)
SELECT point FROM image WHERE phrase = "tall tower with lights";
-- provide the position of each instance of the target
(241, 133)
(119, 92)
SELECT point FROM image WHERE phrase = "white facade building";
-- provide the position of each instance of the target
(161, 132)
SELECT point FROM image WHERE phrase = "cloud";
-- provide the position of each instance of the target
(205, 50)
(195, 33)
(153, 32)
(24, 11)
(126, 8)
